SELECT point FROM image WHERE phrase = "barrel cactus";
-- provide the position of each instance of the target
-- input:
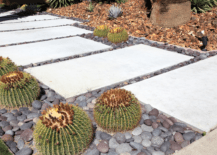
(117, 110)
(117, 35)
(18, 89)
(63, 130)
(101, 31)
(6, 66)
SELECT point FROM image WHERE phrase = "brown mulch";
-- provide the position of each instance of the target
(135, 20)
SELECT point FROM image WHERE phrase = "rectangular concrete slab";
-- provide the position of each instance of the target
(35, 24)
(39, 34)
(30, 18)
(53, 49)
(7, 13)
(77, 76)
(187, 93)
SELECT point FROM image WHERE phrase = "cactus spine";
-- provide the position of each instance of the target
(117, 35)
(6, 66)
(18, 89)
(101, 31)
(117, 110)
(64, 129)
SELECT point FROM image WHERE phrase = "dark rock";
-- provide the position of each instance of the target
(154, 125)
(9, 132)
(175, 146)
(26, 112)
(105, 136)
(27, 135)
(11, 144)
(154, 112)
(43, 97)
(3, 118)
(129, 140)
(165, 146)
(188, 136)
(56, 101)
(157, 141)
(15, 128)
(120, 138)
(2, 111)
(6, 128)
(14, 149)
(32, 115)
(26, 126)
(37, 104)
(156, 132)
(169, 152)
(7, 137)
(8, 114)
(25, 151)
(45, 106)
(1, 132)
(180, 124)
(20, 144)
(185, 143)
(4, 124)
(14, 123)
(177, 128)
(21, 118)
(146, 135)
(148, 122)
(136, 146)
(166, 124)
(19, 132)
(103, 146)
(178, 138)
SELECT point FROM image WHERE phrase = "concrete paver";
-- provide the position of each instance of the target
(30, 18)
(26, 54)
(7, 13)
(35, 24)
(77, 76)
(39, 34)
(187, 93)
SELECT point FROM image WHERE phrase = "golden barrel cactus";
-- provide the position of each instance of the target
(6, 66)
(117, 110)
(63, 130)
(117, 35)
(18, 89)
(101, 31)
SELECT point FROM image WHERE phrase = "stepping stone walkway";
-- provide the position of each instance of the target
(35, 24)
(39, 34)
(26, 54)
(30, 19)
(187, 93)
(104, 69)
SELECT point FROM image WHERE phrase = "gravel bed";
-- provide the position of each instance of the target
(156, 133)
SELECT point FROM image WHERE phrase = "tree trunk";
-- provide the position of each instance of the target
(170, 13)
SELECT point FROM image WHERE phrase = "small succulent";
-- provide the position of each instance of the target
(23, 6)
(90, 7)
(60, 3)
(117, 110)
(6, 66)
(30, 9)
(101, 31)
(2, 5)
(114, 12)
(63, 130)
(202, 5)
(18, 89)
(117, 35)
